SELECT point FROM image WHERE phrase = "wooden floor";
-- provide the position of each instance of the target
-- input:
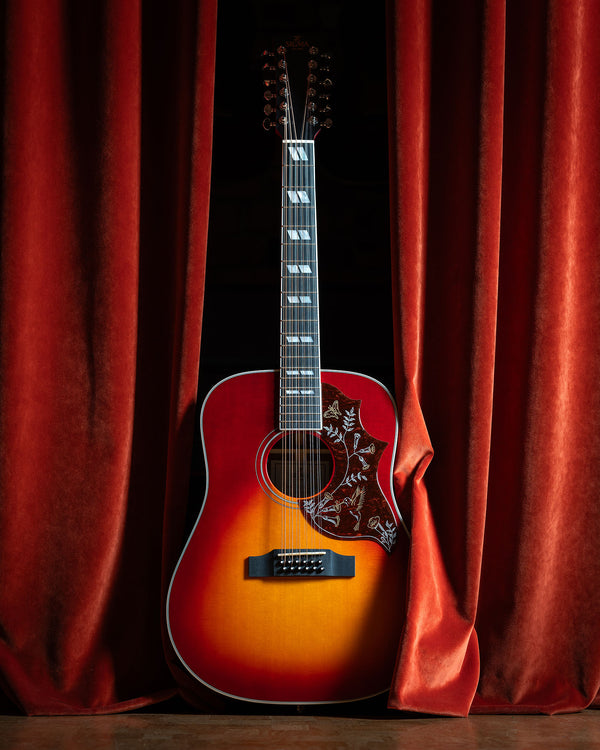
(181, 731)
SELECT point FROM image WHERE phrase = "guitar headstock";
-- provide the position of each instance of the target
(298, 87)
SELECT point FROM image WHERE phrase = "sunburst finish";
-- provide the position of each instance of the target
(281, 640)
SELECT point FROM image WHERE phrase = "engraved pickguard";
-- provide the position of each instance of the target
(352, 505)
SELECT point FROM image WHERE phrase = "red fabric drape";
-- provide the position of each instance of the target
(495, 156)
(107, 124)
(495, 148)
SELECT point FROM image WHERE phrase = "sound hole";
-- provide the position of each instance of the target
(300, 464)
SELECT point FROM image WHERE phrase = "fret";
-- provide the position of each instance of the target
(301, 411)
(303, 334)
(296, 423)
(300, 328)
(305, 413)
(308, 363)
(299, 387)
(300, 419)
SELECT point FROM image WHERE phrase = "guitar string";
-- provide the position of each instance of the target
(310, 451)
(291, 318)
(284, 349)
(301, 447)
(286, 326)
(296, 244)
(313, 312)
(284, 330)
(302, 436)
(288, 318)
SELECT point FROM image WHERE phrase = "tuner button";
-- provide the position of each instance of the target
(268, 109)
(313, 64)
(327, 123)
(325, 56)
(325, 110)
(327, 83)
(267, 53)
(268, 66)
(312, 78)
(311, 92)
(269, 95)
(313, 51)
(267, 124)
(269, 82)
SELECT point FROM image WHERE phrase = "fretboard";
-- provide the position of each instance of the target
(300, 374)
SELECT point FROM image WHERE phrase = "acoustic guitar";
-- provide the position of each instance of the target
(290, 588)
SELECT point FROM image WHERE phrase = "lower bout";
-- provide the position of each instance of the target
(294, 641)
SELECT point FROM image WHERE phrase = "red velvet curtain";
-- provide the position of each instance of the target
(495, 153)
(106, 144)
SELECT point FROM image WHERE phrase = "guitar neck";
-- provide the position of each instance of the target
(300, 374)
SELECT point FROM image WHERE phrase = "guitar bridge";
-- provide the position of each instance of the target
(305, 563)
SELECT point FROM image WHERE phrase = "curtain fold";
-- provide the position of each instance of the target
(107, 117)
(495, 151)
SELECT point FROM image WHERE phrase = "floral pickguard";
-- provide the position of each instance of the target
(353, 504)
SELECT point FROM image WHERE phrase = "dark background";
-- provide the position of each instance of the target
(241, 313)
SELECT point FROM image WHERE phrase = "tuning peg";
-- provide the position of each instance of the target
(313, 51)
(283, 78)
(327, 123)
(269, 67)
(327, 83)
(268, 109)
(267, 124)
(268, 95)
(313, 64)
(269, 82)
(267, 53)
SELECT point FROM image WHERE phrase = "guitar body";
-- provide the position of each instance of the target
(302, 638)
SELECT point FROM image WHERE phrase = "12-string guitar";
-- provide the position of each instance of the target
(291, 587)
